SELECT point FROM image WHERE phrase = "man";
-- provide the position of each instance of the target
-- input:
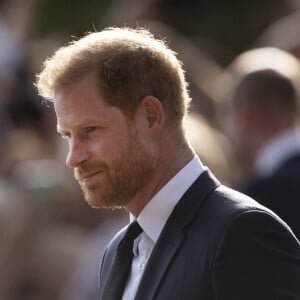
(267, 143)
(120, 96)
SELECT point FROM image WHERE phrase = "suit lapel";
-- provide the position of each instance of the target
(108, 258)
(173, 235)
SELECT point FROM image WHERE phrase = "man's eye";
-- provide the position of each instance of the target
(91, 129)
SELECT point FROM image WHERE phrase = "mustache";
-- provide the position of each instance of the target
(88, 168)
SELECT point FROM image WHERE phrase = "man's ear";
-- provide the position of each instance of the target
(153, 113)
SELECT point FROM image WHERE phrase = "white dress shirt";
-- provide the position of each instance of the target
(153, 218)
(278, 150)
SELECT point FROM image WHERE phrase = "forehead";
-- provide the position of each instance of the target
(85, 87)
(82, 102)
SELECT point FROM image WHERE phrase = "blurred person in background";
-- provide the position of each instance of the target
(120, 96)
(210, 145)
(17, 220)
(34, 261)
(266, 141)
(34, 188)
(83, 282)
(16, 94)
(264, 58)
(19, 223)
(18, 215)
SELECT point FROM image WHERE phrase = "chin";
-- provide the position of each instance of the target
(95, 200)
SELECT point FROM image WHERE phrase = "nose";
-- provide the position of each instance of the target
(77, 154)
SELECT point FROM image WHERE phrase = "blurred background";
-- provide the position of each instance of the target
(51, 240)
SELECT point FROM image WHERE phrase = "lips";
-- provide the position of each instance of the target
(86, 177)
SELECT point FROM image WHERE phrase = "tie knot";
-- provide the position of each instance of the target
(133, 230)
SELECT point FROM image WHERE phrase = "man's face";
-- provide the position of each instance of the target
(110, 162)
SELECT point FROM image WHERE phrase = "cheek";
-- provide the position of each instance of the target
(109, 148)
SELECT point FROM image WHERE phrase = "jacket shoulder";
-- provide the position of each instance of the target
(107, 259)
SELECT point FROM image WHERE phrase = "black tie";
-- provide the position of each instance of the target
(118, 276)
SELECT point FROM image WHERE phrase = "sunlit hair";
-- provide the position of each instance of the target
(129, 64)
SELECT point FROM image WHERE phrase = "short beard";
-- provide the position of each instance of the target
(124, 178)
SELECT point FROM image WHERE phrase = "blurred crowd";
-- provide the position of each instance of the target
(243, 123)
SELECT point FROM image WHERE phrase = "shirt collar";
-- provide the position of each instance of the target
(277, 151)
(155, 214)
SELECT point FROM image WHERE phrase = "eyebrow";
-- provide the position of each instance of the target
(82, 123)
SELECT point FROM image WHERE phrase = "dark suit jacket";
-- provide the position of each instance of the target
(218, 245)
(280, 192)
